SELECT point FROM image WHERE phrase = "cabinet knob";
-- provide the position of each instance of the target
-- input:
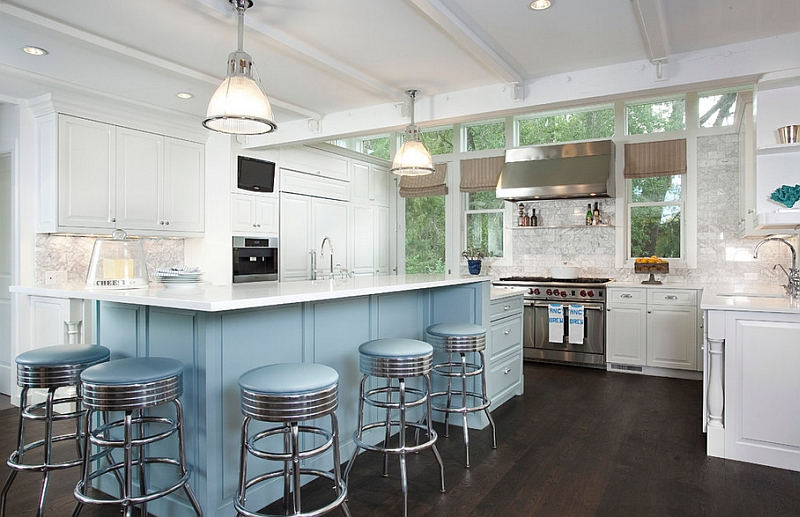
(608, 310)
(113, 220)
(649, 312)
(507, 371)
(507, 331)
(506, 307)
(161, 223)
(166, 222)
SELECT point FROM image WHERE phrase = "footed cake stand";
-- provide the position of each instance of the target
(662, 268)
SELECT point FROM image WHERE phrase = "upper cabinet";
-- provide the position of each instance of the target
(94, 177)
(777, 104)
(370, 184)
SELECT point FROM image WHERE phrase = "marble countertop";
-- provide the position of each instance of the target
(506, 292)
(212, 298)
(749, 299)
(665, 285)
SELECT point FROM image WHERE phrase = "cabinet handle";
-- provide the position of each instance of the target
(507, 331)
(626, 295)
(506, 307)
(507, 371)
(671, 297)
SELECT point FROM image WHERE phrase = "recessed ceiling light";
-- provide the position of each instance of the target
(540, 5)
(185, 95)
(34, 51)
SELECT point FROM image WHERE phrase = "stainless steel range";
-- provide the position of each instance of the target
(540, 343)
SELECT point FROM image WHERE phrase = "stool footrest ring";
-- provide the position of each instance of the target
(132, 500)
(287, 456)
(395, 450)
(340, 498)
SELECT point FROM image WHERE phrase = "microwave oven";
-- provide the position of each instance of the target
(255, 259)
(255, 175)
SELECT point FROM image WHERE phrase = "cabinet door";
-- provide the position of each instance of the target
(330, 220)
(183, 208)
(362, 183)
(672, 337)
(86, 180)
(626, 334)
(266, 214)
(140, 166)
(295, 243)
(382, 181)
(364, 231)
(243, 214)
(382, 240)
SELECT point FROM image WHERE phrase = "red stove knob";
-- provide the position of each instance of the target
(564, 294)
(549, 292)
(591, 293)
(536, 291)
(530, 291)
(583, 293)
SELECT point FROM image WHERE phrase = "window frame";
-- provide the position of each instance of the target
(507, 236)
(681, 204)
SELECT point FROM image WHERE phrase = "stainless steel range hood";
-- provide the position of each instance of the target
(576, 170)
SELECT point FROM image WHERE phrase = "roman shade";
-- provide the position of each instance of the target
(481, 174)
(649, 159)
(427, 185)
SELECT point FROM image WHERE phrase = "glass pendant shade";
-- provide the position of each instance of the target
(413, 158)
(240, 106)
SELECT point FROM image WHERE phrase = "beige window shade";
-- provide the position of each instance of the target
(480, 174)
(649, 159)
(427, 185)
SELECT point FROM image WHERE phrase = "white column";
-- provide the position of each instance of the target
(715, 445)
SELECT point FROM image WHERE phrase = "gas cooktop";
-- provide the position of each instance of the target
(547, 279)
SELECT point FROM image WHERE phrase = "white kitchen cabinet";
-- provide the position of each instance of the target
(304, 222)
(254, 214)
(777, 104)
(370, 184)
(653, 327)
(315, 163)
(108, 177)
(370, 237)
(504, 349)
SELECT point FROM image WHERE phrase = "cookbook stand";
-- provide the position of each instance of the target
(662, 268)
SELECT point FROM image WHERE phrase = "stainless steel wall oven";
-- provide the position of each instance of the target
(255, 259)
(538, 343)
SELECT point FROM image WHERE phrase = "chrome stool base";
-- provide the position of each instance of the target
(49, 368)
(458, 340)
(396, 359)
(289, 394)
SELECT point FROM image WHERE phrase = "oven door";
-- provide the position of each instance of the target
(593, 329)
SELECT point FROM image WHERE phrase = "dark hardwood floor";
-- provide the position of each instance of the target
(579, 443)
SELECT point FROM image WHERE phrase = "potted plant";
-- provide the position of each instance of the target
(474, 258)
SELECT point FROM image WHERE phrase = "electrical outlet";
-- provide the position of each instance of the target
(55, 277)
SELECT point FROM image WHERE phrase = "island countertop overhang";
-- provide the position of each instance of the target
(215, 298)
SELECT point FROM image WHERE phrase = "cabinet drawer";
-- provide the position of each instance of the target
(672, 296)
(504, 306)
(506, 334)
(505, 376)
(633, 295)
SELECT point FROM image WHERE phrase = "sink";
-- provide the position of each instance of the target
(753, 295)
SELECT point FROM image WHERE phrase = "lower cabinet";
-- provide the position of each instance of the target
(504, 349)
(653, 327)
(370, 238)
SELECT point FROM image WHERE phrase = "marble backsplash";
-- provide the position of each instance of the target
(722, 257)
(71, 253)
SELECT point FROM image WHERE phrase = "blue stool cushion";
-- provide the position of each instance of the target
(395, 347)
(455, 330)
(60, 355)
(133, 370)
(285, 378)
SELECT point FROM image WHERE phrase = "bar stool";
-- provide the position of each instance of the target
(49, 368)
(131, 386)
(461, 339)
(289, 394)
(401, 359)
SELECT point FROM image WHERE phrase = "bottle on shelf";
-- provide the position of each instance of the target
(534, 219)
(589, 215)
(521, 220)
(596, 214)
(527, 217)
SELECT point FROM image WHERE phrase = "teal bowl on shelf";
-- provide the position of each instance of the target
(474, 267)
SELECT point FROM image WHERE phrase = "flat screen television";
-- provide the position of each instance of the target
(256, 175)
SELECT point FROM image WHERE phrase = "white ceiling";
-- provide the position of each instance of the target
(320, 58)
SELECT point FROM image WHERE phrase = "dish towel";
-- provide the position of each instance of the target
(576, 324)
(555, 318)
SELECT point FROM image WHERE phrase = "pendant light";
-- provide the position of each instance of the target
(413, 158)
(240, 106)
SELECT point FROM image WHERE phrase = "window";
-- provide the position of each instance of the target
(438, 141)
(378, 147)
(484, 223)
(425, 235)
(655, 210)
(566, 127)
(717, 109)
(484, 135)
(656, 117)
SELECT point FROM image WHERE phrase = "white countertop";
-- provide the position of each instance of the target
(212, 298)
(749, 299)
(665, 285)
(506, 291)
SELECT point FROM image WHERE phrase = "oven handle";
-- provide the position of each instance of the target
(588, 306)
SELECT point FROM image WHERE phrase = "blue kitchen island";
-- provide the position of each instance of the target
(219, 332)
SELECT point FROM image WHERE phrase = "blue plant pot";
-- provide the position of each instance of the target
(474, 267)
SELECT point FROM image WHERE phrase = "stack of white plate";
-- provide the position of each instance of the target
(179, 277)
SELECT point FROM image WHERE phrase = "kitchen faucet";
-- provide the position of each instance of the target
(322, 251)
(793, 287)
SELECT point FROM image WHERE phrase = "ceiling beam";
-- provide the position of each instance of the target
(133, 53)
(321, 58)
(651, 26)
(443, 17)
